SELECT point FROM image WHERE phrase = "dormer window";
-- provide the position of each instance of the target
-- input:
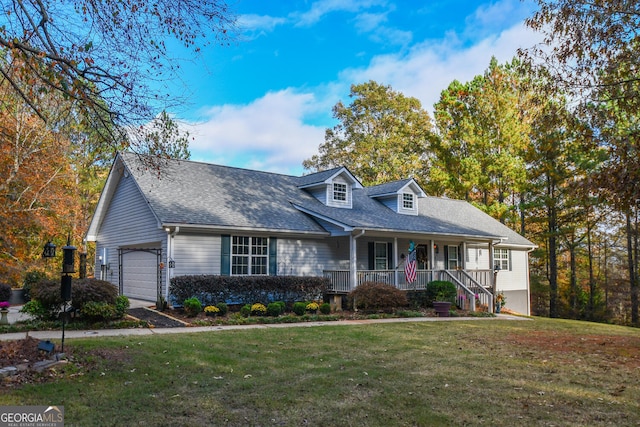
(339, 192)
(333, 188)
(407, 201)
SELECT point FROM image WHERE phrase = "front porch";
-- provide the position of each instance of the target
(474, 286)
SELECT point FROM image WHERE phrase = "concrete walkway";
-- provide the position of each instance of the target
(15, 315)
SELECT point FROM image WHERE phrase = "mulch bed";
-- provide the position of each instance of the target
(154, 318)
(14, 353)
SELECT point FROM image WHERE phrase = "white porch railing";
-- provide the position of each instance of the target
(472, 285)
(471, 292)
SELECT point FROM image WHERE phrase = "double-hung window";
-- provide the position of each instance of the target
(407, 201)
(249, 255)
(339, 192)
(501, 258)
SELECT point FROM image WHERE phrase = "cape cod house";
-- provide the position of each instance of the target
(198, 218)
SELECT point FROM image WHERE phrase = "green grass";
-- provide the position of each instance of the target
(484, 372)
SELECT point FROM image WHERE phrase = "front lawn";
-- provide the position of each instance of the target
(482, 372)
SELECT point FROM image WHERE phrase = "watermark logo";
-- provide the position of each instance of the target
(31, 416)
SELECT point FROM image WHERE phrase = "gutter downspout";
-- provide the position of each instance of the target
(353, 254)
(528, 283)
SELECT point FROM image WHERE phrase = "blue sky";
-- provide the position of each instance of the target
(265, 101)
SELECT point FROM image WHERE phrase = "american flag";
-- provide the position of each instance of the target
(410, 267)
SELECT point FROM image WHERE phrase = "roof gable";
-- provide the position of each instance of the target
(395, 188)
(399, 196)
(328, 176)
(333, 187)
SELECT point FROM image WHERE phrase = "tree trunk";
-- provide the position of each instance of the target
(553, 264)
(573, 281)
(592, 282)
(632, 271)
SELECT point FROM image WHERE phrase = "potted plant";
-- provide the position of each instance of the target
(444, 294)
(501, 300)
(4, 311)
(5, 295)
(441, 305)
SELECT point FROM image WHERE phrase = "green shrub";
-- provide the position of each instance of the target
(419, 299)
(246, 289)
(82, 292)
(377, 297)
(86, 290)
(300, 308)
(31, 278)
(5, 292)
(245, 310)
(36, 309)
(275, 309)
(192, 306)
(325, 308)
(441, 290)
(224, 309)
(100, 310)
(122, 304)
(97, 310)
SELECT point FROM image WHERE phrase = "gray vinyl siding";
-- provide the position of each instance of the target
(309, 257)
(516, 278)
(390, 202)
(517, 301)
(196, 254)
(319, 193)
(363, 250)
(515, 282)
(128, 223)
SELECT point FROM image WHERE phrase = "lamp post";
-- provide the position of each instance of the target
(68, 268)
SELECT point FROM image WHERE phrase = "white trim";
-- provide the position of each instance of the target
(353, 258)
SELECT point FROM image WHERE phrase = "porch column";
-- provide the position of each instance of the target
(353, 258)
(395, 261)
(463, 255)
(432, 255)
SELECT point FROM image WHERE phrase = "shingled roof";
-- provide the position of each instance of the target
(196, 194)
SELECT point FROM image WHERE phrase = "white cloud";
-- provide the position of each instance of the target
(267, 134)
(259, 22)
(428, 68)
(322, 7)
(275, 132)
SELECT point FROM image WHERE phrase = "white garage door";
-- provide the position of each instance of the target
(140, 274)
